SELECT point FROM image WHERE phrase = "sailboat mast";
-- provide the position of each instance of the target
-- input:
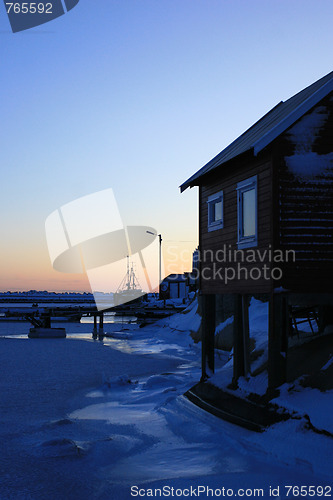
(128, 275)
(133, 277)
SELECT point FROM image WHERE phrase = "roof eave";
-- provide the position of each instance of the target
(184, 186)
(196, 179)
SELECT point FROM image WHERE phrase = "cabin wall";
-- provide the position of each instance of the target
(304, 161)
(225, 179)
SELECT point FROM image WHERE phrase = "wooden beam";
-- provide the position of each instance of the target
(277, 340)
(238, 339)
(246, 334)
(207, 335)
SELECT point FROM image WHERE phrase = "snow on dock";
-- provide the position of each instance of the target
(84, 419)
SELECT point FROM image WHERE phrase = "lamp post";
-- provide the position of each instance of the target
(160, 261)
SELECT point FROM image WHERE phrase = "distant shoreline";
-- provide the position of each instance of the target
(34, 296)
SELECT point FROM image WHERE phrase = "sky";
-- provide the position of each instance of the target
(136, 96)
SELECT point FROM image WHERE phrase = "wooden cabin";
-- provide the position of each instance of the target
(175, 286)
(266, 223)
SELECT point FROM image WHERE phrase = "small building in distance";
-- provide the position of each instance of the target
(266, 226)
(174, 286)
(177, 286)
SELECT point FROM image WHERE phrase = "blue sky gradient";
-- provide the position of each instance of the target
(137, 95)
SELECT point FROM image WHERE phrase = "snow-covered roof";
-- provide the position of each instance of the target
(269, 127)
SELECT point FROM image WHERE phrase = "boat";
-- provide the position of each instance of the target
(50, 333)
(129, 289)
(41, 328)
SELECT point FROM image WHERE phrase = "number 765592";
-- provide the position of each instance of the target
(29, 8)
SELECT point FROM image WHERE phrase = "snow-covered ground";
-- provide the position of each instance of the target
(85, 419)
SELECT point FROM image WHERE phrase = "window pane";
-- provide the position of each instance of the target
(249, 212)
(217, 211)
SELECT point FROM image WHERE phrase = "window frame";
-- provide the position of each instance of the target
(242, 187)
(214, 225)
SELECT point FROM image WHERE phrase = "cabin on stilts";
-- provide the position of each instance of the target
(266, 230)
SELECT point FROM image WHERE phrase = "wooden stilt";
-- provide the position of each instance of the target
(277, 341)
(238, 339)
(246, 333)
(208, 334)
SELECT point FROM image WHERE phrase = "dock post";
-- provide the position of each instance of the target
(94, 333)
(101, 326)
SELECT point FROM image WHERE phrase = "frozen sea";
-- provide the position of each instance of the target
(89, 419)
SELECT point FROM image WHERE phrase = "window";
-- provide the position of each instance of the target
(215, 211)
(247, 213)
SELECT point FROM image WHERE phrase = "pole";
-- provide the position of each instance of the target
(160, 261)
(160, 266)
(101, 327)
